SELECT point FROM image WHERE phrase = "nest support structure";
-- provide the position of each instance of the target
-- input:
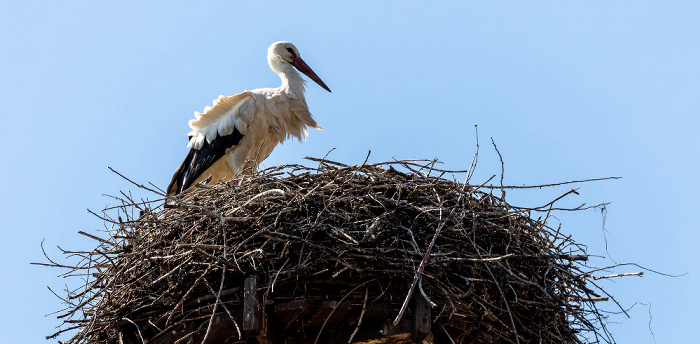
(328, 254)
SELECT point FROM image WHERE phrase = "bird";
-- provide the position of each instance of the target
(238, 132)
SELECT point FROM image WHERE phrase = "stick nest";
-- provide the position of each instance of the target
(355, 234)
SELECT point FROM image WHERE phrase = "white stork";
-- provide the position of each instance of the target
(246, 127)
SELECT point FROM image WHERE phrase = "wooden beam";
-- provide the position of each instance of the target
(252, 308)
(421, 319)
(288, 312)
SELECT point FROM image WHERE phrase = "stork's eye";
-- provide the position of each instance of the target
(291, 52)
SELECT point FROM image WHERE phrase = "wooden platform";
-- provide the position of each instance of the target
(301, 322)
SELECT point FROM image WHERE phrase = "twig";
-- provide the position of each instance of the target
(540, 186)
(137, 328)
(218, 299)
(425, 296)
(336, 306)
(362, 314)
(139, 185)
(500, 157)
(619, 275)
(272, 288)
(419, 272)
(98, 239)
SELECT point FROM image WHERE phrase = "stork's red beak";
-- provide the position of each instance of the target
(301, 66)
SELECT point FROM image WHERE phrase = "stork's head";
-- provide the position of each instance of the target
(282, 54)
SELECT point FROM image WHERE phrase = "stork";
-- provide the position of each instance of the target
(240, 131)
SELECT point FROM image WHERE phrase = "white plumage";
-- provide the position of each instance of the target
(246, 127)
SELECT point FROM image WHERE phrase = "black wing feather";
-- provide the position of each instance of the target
(199, 160)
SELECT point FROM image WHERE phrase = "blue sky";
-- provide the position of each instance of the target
(567, 90)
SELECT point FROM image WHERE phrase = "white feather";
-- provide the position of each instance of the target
(220, 119)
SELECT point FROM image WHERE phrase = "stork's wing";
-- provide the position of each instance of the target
(213, 132)
(199, 160)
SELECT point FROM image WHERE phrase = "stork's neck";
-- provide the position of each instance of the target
(292, 83)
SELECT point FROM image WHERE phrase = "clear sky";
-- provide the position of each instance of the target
(567, 90)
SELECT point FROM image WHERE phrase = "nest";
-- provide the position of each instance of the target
(331, 254)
